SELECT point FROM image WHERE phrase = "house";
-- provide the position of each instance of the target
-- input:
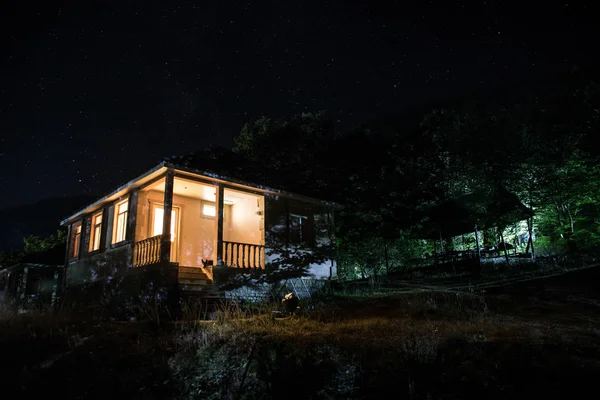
(181, 224)
(34, 281)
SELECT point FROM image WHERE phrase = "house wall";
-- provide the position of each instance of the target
(108, 262)
(105, 265)
(197, 233)
(142, 218)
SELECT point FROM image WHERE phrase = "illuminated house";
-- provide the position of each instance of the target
(191, 222)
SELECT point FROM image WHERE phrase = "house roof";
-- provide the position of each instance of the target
(232, 166)
(219, 166)
(52, 257)
(484, 208)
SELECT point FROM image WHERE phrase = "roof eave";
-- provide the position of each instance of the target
(123, 187)
(263, 188)
(212, 175)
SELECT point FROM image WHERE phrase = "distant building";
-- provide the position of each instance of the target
(35, 281)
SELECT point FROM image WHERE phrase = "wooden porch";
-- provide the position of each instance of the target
(241, 256)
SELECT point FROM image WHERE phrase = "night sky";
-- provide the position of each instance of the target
(93, 93)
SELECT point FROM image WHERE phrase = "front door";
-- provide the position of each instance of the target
(157, 226)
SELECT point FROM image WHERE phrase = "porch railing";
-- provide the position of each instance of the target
(147, 251)
(243, 255)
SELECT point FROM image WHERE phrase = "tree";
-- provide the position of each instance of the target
(35, 244)
(289, 147)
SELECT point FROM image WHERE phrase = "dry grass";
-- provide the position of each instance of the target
(413, 344)
(420, 344)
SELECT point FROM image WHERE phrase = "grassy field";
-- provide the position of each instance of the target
(528, 337)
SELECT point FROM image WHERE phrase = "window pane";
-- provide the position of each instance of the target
(158, 221)
(159, 212)
(75, 239)
(173, 222)
(209, 210)
(96, 238)
(95, 232)
(121, 227)
(76, 245)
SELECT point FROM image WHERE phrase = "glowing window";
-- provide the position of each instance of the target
(120, 227)
(209, 210)
(157, 226)
(95, 233)
(76, 239)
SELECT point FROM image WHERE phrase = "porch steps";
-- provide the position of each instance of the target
(199, 289)
(205, 292)
(194, 282)
(191, 275)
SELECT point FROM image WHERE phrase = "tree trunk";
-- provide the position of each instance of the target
(504, 245)
(496, 242)
(385, 255)
(530, 225)
(558, 215)
(571, 219)
(516, 238)
(477, 242)
(530, 242)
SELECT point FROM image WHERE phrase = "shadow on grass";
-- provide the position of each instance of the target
(419, 345)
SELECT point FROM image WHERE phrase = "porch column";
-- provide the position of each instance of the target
(131, 218)
(165, 244)
(220, 213)
(131, 215)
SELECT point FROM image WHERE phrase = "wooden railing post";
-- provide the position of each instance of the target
(243, 255)
(165, 246)
(147, 251)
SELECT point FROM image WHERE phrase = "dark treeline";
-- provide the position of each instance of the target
(537, 143)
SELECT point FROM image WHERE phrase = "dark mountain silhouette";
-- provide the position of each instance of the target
(41, 218)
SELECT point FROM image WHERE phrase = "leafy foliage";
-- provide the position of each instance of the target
(34, 244)
(537, 146)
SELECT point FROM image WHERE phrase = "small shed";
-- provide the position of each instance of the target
(35, 281)
(484, 209)
(471, 213)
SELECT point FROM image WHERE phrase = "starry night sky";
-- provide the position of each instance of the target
(93, 93)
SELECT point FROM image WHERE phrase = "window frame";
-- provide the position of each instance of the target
(210, 204)
(116, 232)
(300, 218)
(175, 224)
(96, 232)
(75, 240)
